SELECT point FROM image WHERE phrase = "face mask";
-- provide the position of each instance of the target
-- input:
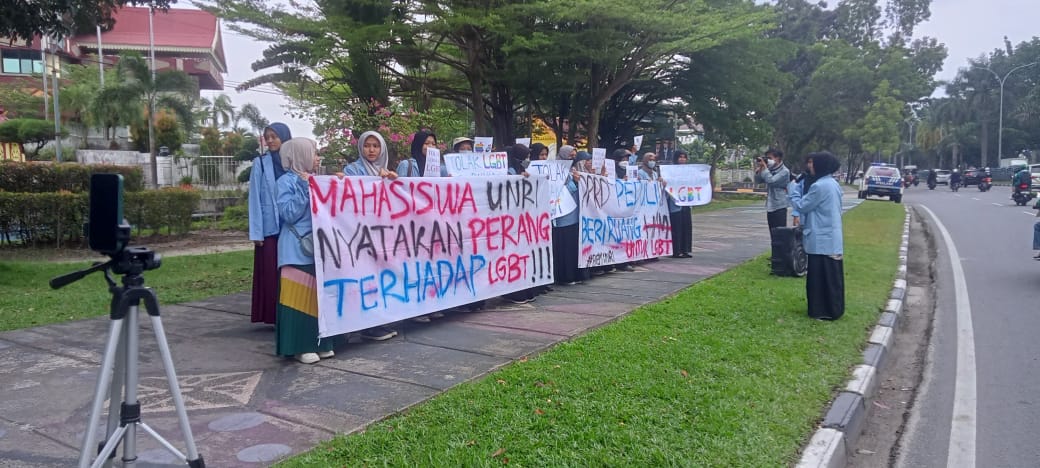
(771, 163)
(622, 164)
(651, 164)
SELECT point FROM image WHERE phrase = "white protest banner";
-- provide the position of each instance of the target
(598, 156)
(433, 162)
(385, 251)
(483, 144)
(559, 172)
(632, 171)
(621, 221)
(524, 141)
(476, 164)
(688, 184)
(638, 142)
(611, 166)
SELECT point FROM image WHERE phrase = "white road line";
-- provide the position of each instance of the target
(997, 204)
(962, 426)
(976, 199)
(1030, 214)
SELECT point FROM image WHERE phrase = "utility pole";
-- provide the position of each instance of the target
(100, 59)
(56, 85)
(151, 101)
(1000, 118)
(43, 56)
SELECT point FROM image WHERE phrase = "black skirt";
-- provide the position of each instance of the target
(825, 287)
(565, 254)
(682, 231)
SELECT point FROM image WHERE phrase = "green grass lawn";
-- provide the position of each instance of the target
(723, 201)
(28, 301)
(729, 372)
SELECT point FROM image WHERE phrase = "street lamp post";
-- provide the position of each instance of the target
(909, 141)
(1000, 118)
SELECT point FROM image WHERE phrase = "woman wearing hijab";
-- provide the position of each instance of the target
(539, 152)
(515, 156)
(297, 327)
(681, 219)
(648, 169)
(264, 224)
(372, 158)
(818, 200)
(565, 229)
(415, 166)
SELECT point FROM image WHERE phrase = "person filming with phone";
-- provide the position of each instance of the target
(770, 170)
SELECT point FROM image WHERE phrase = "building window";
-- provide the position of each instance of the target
(22, 62)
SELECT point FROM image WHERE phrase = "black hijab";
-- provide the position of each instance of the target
(824, 164)
(536, 149)
(516, 155)
(418, 140)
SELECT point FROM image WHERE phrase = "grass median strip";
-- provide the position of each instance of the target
(729, 372)
(27, 301)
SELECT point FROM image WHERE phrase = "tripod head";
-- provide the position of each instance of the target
(130, 262)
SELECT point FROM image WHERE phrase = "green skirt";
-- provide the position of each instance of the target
(297, 324)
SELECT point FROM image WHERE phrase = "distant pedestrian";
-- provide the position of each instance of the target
(770, 170)
(264, 223)
(818, 200)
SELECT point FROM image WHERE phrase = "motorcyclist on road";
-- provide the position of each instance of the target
(932, 178)
(955, 178)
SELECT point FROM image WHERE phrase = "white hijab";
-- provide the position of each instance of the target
(373, 168)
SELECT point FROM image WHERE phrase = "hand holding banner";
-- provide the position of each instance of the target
(621, 221)
(688, 184)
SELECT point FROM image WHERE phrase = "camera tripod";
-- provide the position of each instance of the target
(119, 367)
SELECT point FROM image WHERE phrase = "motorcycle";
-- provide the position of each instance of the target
(931, 185)
(985, 183)
(1022, 194)
(954, 186)
(907, 181)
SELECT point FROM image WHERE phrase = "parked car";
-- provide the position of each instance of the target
(882, 181)
(971, 177)
(942, 177)
(1034, 174)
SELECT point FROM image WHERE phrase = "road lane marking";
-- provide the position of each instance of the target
(961, 452)
(976, 199)
(1028, 213)
(997, 204)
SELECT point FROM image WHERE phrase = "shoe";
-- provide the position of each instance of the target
(676, 255)
(436, 315)
(378, 333)
(1036, 257)
(686, 255)
(627, 268)
(308, 358)
(326, 354)
(573, 283)
(422, 319)
(518, 301)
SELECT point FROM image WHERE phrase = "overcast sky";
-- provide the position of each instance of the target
(969, 28)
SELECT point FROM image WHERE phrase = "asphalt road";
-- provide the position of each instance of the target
(996, 397)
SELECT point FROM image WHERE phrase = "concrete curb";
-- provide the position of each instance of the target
(831, 445)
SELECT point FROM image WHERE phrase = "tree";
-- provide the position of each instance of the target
(135, 84)
(62, 17)
(222, 111)
(27, 131)
(878, 130)
(17, 101)
(254, 118)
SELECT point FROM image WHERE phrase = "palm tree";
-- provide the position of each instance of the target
(223, 111)
(251, 114)
(137, 85)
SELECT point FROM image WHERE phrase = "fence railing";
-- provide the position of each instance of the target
(727, 176)
(202, 172)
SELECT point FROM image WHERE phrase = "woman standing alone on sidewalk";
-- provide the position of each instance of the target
(264, 223)
(818, 201)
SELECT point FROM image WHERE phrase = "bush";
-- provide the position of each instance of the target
(58, 217)
(235, 218)
(68, 153)
(35, 177)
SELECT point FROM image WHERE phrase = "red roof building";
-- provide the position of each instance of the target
(185, 40)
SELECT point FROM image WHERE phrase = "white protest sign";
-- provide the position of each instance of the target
(638, 142)
(598, 156)
(433, 162)
(388, 250)
(483, 144)
(621, 221)
(611, 166)
(559, 172)
(632, 172)
(524, 141)
(688, 184)
(476, 164)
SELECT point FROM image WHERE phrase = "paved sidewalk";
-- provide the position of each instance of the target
(250, 408)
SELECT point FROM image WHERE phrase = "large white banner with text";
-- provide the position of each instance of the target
(621, 221)
(386, 250)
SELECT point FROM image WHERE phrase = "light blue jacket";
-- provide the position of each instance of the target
(356, 168)
(294, 199)
(263, 191)
(776, 186)
(820, 210)
(410, 168)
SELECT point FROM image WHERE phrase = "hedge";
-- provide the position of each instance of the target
(43, 177)
(57, 218)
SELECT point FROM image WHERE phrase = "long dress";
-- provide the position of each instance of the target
(298, 313)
